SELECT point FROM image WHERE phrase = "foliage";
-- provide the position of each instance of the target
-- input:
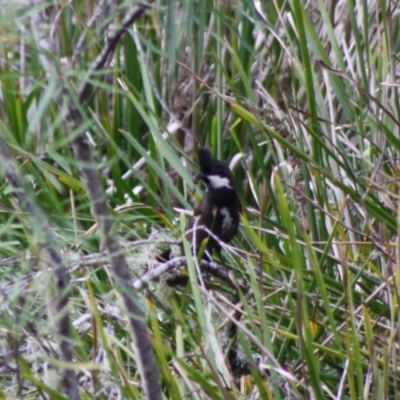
(303, 98)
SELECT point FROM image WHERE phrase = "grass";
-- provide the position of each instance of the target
(304, 99)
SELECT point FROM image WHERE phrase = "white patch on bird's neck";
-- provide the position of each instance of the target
(217, 181)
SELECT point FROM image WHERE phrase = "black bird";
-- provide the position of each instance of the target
(218, 211)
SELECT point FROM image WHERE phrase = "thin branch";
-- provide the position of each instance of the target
(85, 161)
(119, 266)
(110, 45)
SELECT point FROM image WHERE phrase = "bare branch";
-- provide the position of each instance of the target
(81, 146)
(111, 43)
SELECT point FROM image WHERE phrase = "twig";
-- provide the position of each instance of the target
(74, 103)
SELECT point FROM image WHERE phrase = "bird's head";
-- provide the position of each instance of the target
(214, 173)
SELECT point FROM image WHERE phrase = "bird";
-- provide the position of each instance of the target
(219, 209)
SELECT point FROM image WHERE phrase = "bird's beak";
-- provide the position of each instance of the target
(198, 177)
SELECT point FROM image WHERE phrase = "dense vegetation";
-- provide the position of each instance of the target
(302, 97)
